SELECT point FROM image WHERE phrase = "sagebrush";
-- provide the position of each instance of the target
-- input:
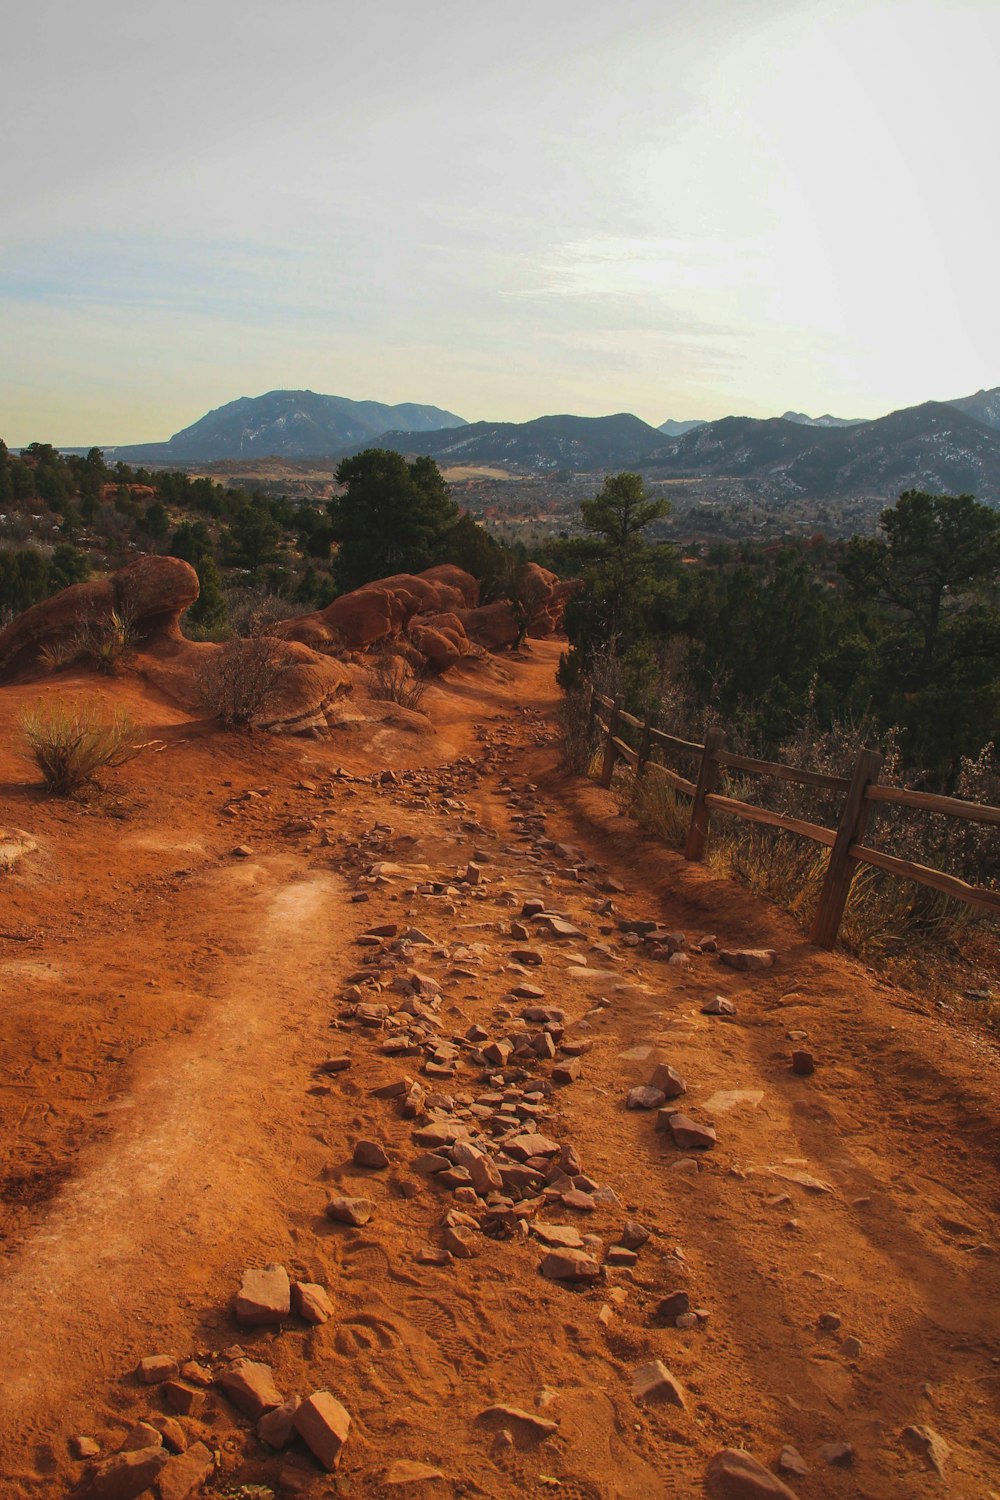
(70, 746)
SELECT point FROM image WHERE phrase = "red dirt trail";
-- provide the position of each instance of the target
(164, 1124)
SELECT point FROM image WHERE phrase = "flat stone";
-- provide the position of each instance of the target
(558, 1236)
(566, 1072)
(735, 1475)
(620, 1255)
(524, 1147)
(726, 1099)
(748, 960)
(570, 1265)
(84, 1447)
(645, 1097)
(688, 1135)
(186, 1473)
(803, 1062)
(370, 1154)
(540, 1426)
(356, 1211)
(558, 927)
(250, 1386)
(276, 1428)
(802, 1179)
(124, 1476)
(409, 1471)
(840, 1455)
(323, 1425)
(719, 1006)
(929, 1444)
(156, 1367)
(312, 1301)
(264, 1296)
(654, 1382)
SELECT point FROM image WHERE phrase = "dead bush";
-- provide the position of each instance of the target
(70, 746)
(392, 680)
(239, 682)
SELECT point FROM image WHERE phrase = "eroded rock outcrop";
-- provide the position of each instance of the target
(434, 618)
(151, 594)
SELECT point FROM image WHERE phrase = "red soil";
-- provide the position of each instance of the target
(163, 1125)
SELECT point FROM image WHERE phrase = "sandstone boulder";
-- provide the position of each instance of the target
(151, 593)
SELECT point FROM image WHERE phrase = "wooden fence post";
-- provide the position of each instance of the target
(645, 743)
(708, 776)
(840, 869)
(608, 764)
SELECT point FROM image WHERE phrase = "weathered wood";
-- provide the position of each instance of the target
(947, 807)
(603, 701)
(783, 773)
(672, 742)
(679, 783)
(630, 720)
(951, 885)
(708, 777)
(644, 745)
(608, 764)
(840, 869)
(752, 814)
(626, 752)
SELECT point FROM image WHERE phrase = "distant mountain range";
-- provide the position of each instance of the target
(935, 447)
(544, 443)
(939, 445)
(288, 424)
(824, 421)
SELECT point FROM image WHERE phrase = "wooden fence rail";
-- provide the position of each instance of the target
(861, 793)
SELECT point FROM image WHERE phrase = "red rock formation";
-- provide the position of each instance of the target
(151, 593)
(436, 614)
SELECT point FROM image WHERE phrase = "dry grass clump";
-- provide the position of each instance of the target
(106, 643)
(70, 746)
(578, 735)
(392, 680)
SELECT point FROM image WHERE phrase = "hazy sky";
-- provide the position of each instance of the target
(680, 208)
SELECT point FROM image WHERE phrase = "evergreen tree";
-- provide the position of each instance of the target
(391, 518)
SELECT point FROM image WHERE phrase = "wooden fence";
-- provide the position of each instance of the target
(860, 792)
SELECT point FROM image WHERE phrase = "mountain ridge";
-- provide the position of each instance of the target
(290, 424)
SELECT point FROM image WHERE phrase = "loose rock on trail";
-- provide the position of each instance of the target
(400, 1156)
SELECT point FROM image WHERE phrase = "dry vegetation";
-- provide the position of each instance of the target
(928, 941)
(70, 746)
